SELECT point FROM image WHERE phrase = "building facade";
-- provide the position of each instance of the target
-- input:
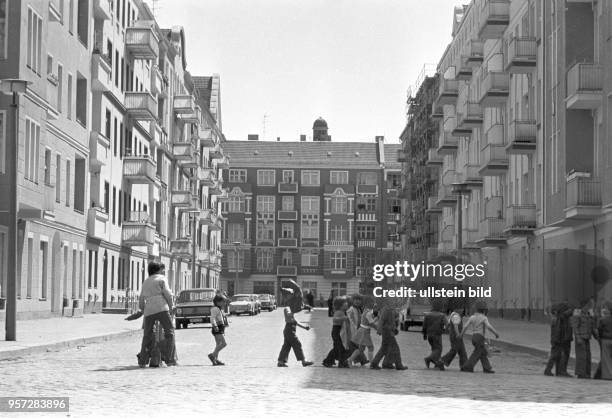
(523, 123)
(321, 213)
(119, 156)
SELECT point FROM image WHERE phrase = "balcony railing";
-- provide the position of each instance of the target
(206, 137)
(138, 231)
(433, 158)
(100, 72)
(158, 85)
(584, 86)
(366, 243)
(471, 116)
(449, 91)
(139, 169)
(522, 135)
(141, 105)
(494, 160)
(474, 53)
(367, 189)
(338, 243)
(494, 18)
(437, 112)
(184, 104)
(521, 217)
(216, 153)
(207, 176)
(97, 223)
(181, 247)
(447, 143)
(183, 150)
(432, 205)
(286, 271)
(583, 191)
(522, 55)
(446, 197)
(470, 176)
(184, 199)
(99, 151)
(495, 88)
(287, 187)
(491, 232)
(287, 242)
(102, 9)
(223, 162)
(141, 40)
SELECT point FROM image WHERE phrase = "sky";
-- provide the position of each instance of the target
(288, 62)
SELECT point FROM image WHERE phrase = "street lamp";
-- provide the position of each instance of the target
(236, 245)
(14, 87)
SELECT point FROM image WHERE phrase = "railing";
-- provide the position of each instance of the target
(287, 242)
(370, 243)
(492, 228)
(367, 188)
(473, 110)
(521, 216)
(338, 243)
(433, 157)
(183, 104)
(495, 10)
(495, 81)
(142, 41)
(522, 131)
(286, 270)
(493, 207)
(493, 153)
(366, 217)
(475, 49)
(470, 237)
(449, 87)
(449, 177)
(446, 140)
(583, 191)
(522, 48)
(470, 172)
(432, 203)
(139, 166)
(142, 102)
(584, 77)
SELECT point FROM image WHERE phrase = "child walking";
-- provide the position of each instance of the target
(387, 326)
(362, 337)
(454, 327)
(560, 340)
(478, 324)
(433, 328)
(290, 339)
(218, 321)
(583, 324)
(340, 321)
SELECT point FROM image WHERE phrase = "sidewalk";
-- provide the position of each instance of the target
(533, 337)
(40, 335)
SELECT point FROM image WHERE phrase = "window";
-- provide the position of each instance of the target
(237, 176)
(235, 204)
(395, 206)
(60, 85)
(34, 49)
(310, 258)
(68, 181)
(113, 219)
(42, 268)
(262, 288)
(310, 204)
(338, 177)
(81, 100)
(265, 259)
(287, 230)
(266, 177)
(2, 141)
(339, 288)
(29, 272)
(287, 258)
(83, 20)
(32, 144)
(265, 204)
(288, 176)
(69, 98)
(235, 232)
(3, 28)
(367, 204)
(310, 178)
(310, 226)
(265, 227)
(79, 184)
(310, 287)
(71, 16)
(338, 261)
(338, 233)
(365, 232)
(58, 177)
(364, 260)
(235, 260)
(366, 178)
(339, 204)
(287, 202)
(47, 166)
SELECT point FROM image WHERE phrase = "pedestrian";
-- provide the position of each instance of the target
(560, 346)
(362, 338)
(290, 339)
(218, 320)
(354, 313)
(454, 328)
(433, 327)
(340, 326)
(583, 324)
(155, 302)
(604, 331)
(310, 299)
(478, 325)
(387, 327)
(330, 303)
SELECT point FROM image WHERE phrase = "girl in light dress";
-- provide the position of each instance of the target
(362, 337)
(218, 322)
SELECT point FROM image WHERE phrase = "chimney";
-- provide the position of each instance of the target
(253, 137)
(380, 139)
(302, 138)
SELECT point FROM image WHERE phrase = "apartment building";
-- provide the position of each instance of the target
(522, 135)
(321, 213)
(124, 147)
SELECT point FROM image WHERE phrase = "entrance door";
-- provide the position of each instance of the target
(104, 279)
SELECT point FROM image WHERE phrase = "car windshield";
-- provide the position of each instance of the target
(196, 295)
(241, 298)
(264, 297)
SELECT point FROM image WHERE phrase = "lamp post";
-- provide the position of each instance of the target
(236, 247)
(14, 87)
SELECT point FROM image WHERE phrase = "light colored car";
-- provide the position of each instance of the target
(267, 302)
(193, 306)
(243, 304)
(412, 314)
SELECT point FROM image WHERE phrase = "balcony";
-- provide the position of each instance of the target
(470, 239)
(494, 19)
(286, 270)
(470, 177)
(495, 88)
(338, 243)
(206, 137)
(192, 162)
(433, 158)
(448, 92)
(223, 162)
(583, 198)
(287, 242)
(366, 243)
(491, 233)
(207, 176)
(522, 55)
(437, 112)
(158, 85)
(401, 156)
(366, 217)
(183, 151)
(97, 223)
(184, 104)
(141, 105)
(446, 197)
(141, 40)
(215, 189)
(522, 135)
(520, 219)
(99, 151)
(208, 217)
(203, 257)
(470, 117)
(102, 9)
(447, 143)
(138, 231)
(464, 72)
(181, 247)
(191, 117)
(223, 197)
(584, 86)
(185, 200)
(474, 53)
(452, 125)
(494, 160)
(432, 205)
(287, 187)
(139, 169)
(367, 189)
(287, 215)
(100, 72)
(216, 153)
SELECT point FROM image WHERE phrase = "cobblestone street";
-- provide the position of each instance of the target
(104, 379)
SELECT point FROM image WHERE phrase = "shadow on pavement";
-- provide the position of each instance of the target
(518, 379)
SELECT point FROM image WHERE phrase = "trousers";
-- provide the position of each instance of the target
(435, 342)
(389, 349)
(583, 357)
(559, 356)
(457, 348)
(291, 341)
(338, 352)
(479, 354)
(168, 348)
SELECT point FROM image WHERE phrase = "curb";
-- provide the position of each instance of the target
(62, 345)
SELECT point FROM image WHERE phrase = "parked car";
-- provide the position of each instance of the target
(243, 304)
(267, 302)
(412, 313)
(193, 306)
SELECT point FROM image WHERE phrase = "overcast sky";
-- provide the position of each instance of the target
(349, 61)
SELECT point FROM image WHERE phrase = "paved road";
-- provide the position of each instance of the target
(104, 379)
